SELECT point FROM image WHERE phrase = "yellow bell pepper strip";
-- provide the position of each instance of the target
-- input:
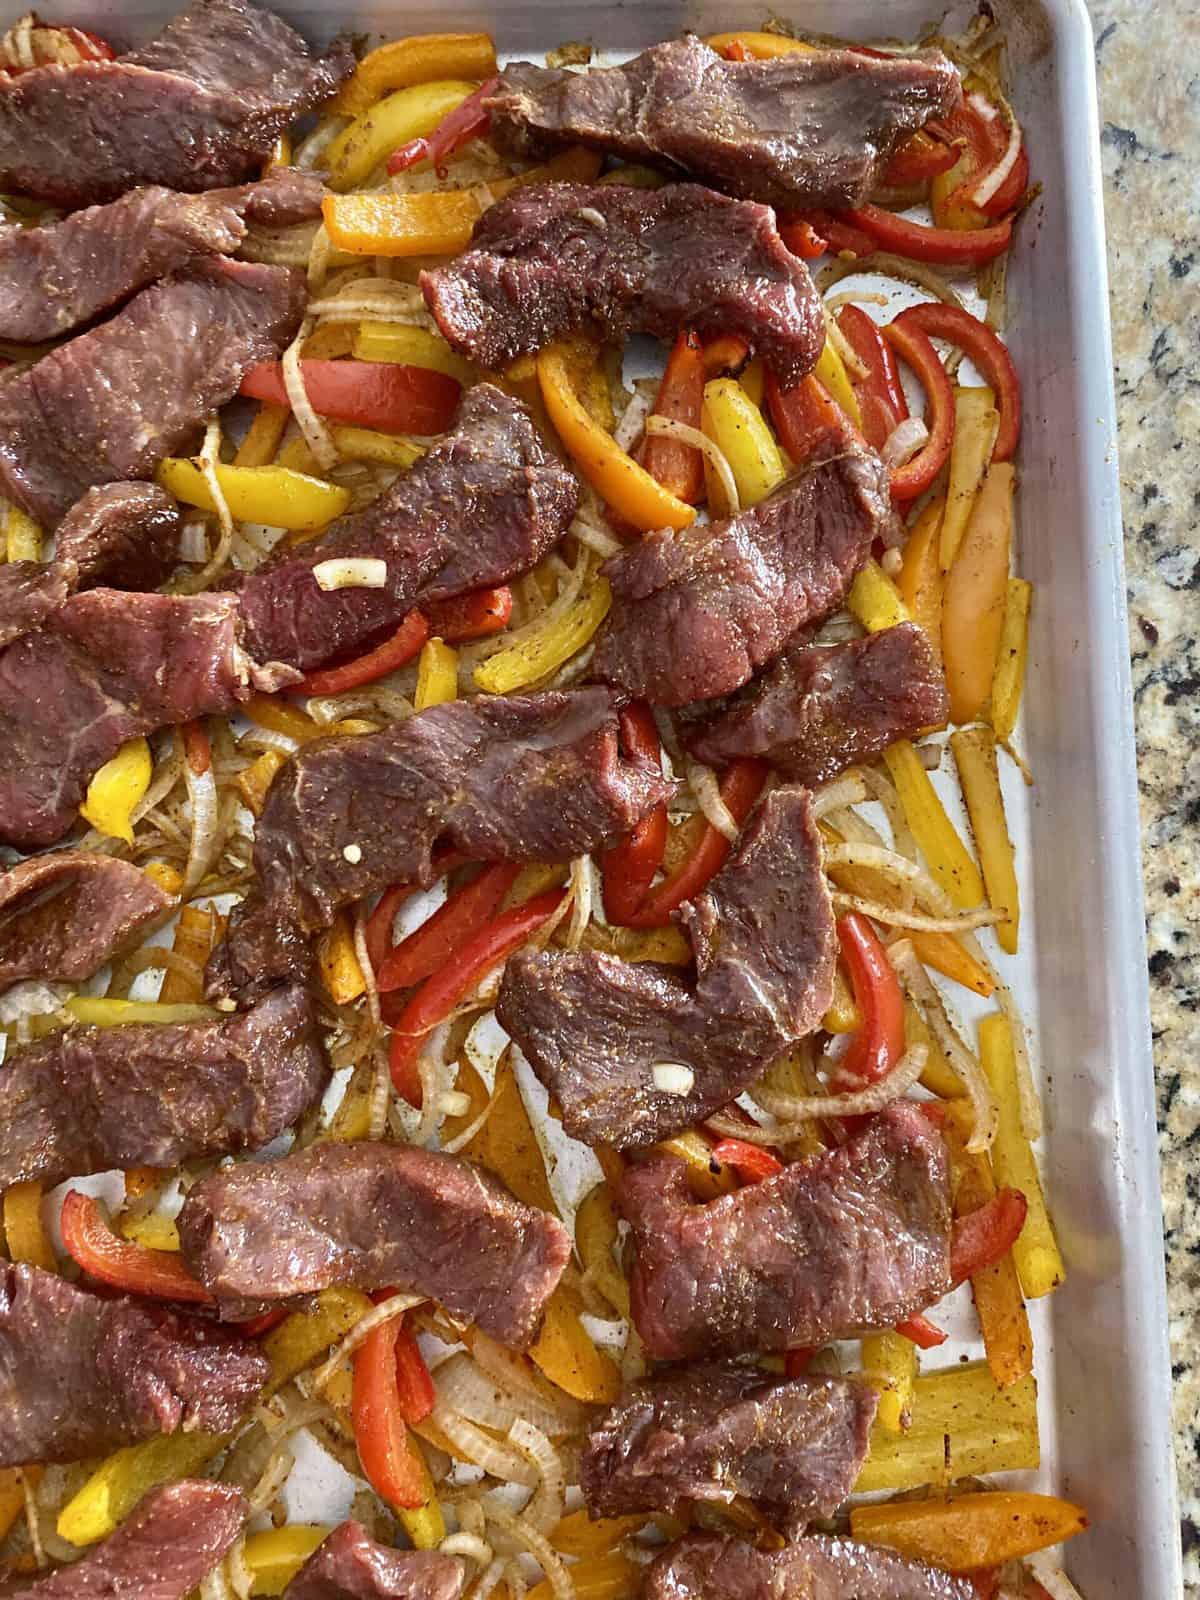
(383, 449)
(275, 1557)
(273, 495)
(305, 1336)
(337, 962)
(976, 421)
(328, 342)
(420, 58)
(565, 1352)
(843, 1015)
(412, 346)
(154, 1231)
(295, 456)
(254, 782)
(24, 1231)
(424, 1525)
(946, 855)
(406, 114)
(262, 437)
(437, 674)
(830, 372)
(976, 596)
(169, 879)
(1036, 1253)
(971, 1530)
(1009, 678)
(23, 537)
(577, 1534)
(196, 932)
(100, 1012)
(920, 582)
(761, 46)
(595, 1237)
(547, 644)
(735, 425)
(974, 752)
(938, 1076)
(961, 1413)
(890, 1361)
(276, 716)
(707, 1177)
(874, 598)
(610, 1577)
(114, 792)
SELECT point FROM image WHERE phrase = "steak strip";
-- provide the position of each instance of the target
(350, 1565)
(703, 1566)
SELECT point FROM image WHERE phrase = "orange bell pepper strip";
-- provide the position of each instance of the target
(971, 1531)
(751, 1162)
(196, 747)
(420, 58)
(387, 657)
(436, 941)
(951, 247)
(747, 45)
(725, 356)
(989, 354)
(879, 1043)
(880, 394)
(834, 233)
(369, 394)
(910, 340)
(918, 159)
(628, 869)
(390, 1459)
(975, 597)
(679, 467)
(134, 1268)
(470, 616)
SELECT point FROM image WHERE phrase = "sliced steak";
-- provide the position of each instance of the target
(822, 708)
(198, 107)
(350, 1565)
(520, 778)
(81, 1375)
(112, 403)
(715, 1432)
(63, 915)
(554, 258)
(121, 535)
(483, 505)
(855, 1239)
(30, 592)
(800, 130)
(152, 1094)
(695, 614)
(162, 1551)
(703, 1566)
(594, 1027)
(370, 1215)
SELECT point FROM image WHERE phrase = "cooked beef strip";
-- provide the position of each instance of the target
(800, 130)
(695, 614)
(63, 915)
(854, 1239)
(370, 1215)
(704, 1566)
(554, 258)
(104, 668)
(822, 708)
(483, 505)
(155, 1094)
(121, 535)
(111, 404)
(162, 1551)
(594, 1027)
(81, 1375)
(198, 107)
(30, 592)
(513, 778)
(350, 1565)
(713, 1432)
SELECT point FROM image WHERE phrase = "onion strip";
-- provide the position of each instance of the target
(702, 781)
(396, 1306)
(316, 435)
(921, 989)
(546, 1506)
(712, 452)
(556, 1572)
(810, 1108)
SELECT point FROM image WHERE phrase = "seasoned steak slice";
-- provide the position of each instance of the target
(800, 130)
(151, 1094)
(554, 258)
(594, 1028)
(30, 593)
(703, 1566)
(81, 1375)
(715, 1432)
(855, 1239)
(121, 535)
(350, 1565)
(370, 1215)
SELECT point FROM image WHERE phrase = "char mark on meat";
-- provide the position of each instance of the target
(374, 1214)
(800, 130)
(594, 1027)
(483, 505)
(121, 536)
(150, 1094)
(696, 614)
(350, 1565)
(111, 404)
(169, 1544)
(81, 1375)
(704, 1566)
(517, 778)
(822, 708)
(555, 258)
(713, 1433)
(197, 108)
(855, 1239)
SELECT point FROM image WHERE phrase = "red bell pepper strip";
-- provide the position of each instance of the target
(389, 1460)
(470, 616)
(438, 995)
(740, 788)
(979, 1239)
(879, 1043)
(387, 657)
(679, 467)
(413, 1379)
(383, 395)
(880, 394)
(628, 868)
(436, 941)
(976, 339)
(838, 233)
(805, 416)
(457, 128)
(909, 340)
(134, 1268)
(947, 246)
(750, 1161)
(979, 143)
(378, 931)
(804, 241)
(796, 1361)
(918, 159)
(263, 1323)
(923, 1333)
(727, 353)
(197, 747)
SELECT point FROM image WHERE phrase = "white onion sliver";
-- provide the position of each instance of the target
(496, 1459)
(202, 791)
(905, 439)
(794, 1108)
(673, 1077)
(546, 1507)
(351, 572)
(920, 987)
(709, 448)
(702, 781)
(557, 1573)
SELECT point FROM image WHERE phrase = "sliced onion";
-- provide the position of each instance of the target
(351, 572)
(581, 901)
(993, 178)
(848, 790)
(316, 435)
(396, 1306)
(709, 448)
(905, 439)
(809, 1108)
(632, 420)
(1051, 1576)
(546, 1507)
(468, 1545)
(702, 781)
(921, 989)
(884, 263)
(205, 840)
(473, 1445)
(516, 1374)
(898, 917)
(556, 1572)
(673, 1077)
(481, 1397)
(851, 360)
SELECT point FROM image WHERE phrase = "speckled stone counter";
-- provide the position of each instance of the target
(1148, 58)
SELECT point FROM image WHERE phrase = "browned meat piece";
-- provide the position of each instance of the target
(121, 535)
(702, 1566)
(373, 1215)
(800, 130)
(198, 107)
(855, 1239)
(30, 592)
(63, 915)
(350, 1565)
(612, 260)
(715, 1432)
(153, 1094)
(594, 1028)
(822, 708)
(81, 1375)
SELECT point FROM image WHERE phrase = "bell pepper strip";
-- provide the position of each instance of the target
(196, 747)
(980, 143)
(981, 1237)
(918, 159)
(678, 467)
(830, 372)
(921, 1332)
(950, 247)
(411, 346)
(797, 1361)
(266, 711)
(833, 232)
(874, 598)
(975, 598)
(98, 1011)
(91, 1243)
(889, 1360)
(804, 416)
(976, 422)
(466, 121)
(378, 931)
(995, 1284)
(24, 1231)
(12, 1494)
(920, 581)
(413, 1380)
(750, 1161)
(169, 879)
(387, 657)
(741, 786)
(911, 342)
(879, 1044)
(371, 394)
(507, 1144)
(948, 858)
(381, 449)
(274, 495)
(275, 1556)
(578, 1534)
(390, 1459)
(566, 1353)
(804, 241)
(974, 751)
(254, 782)
(114, 792)
(976, 340)
(880, 394)
(470, 616)
(437, 997)
(547, 643)
(196, 931)
(22, 536)
(736, 426)
(969, 1531)
(628, 868)
(420, 58)
(1010, 659)
(437, 675)
(403, 116)
(725, 356)
(707, 1177)
(757, 46)
(435, 942)
(337, 962)
(596, 1235)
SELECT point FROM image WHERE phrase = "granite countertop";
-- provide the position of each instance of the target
(1148, 60)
